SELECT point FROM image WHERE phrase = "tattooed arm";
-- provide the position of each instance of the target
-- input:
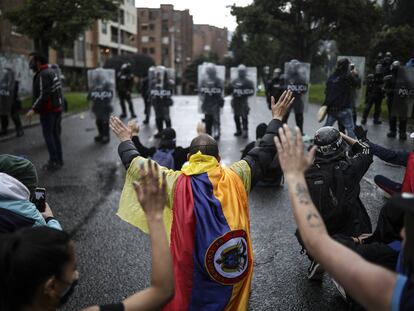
(369, 284)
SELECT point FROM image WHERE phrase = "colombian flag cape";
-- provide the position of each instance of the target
(207, 219)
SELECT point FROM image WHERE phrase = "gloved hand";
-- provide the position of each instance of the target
(360, 147)
(360, 133)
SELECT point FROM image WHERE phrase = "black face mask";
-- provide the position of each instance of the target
(32, 66)
(68, 292)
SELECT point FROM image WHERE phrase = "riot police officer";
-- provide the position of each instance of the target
(161, 89)
(10, 103)
(242, 89)
(101, 94)
(275, 86)
(390, 86)
(211, 91)
(374, 95)
(124, 83)
(297, 84)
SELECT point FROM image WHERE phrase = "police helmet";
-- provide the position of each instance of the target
(395, 64)
(329, 142)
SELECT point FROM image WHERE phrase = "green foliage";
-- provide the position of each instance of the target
(399, 12)
(398, 40)
(57, 23)
(76, 102)
(300, 25)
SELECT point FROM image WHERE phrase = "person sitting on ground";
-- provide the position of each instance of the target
(167, 154)
(334, 184)
(207, 216)
(18, 181)
(374, 287)
(38, 265)
(402, 158)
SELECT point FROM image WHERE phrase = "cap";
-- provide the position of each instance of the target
(21, 169)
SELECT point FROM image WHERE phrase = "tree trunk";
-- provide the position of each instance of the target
(42, 47)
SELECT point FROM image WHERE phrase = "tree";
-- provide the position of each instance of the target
(300, 25)
(398, 40)
(57, 23)
(399, 12)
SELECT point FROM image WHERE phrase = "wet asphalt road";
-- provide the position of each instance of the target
(113, 256)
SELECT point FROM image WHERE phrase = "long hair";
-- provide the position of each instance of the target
(27, 259)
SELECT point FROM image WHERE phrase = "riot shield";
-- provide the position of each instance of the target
(161, 82)
(7, 82)
(101, 83)
(297, 75)
(359, 63)
(210, 83)
(403, 93)
(248, 79)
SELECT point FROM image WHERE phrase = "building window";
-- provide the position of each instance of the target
(151, 39)
(145, 50)
(143, 12)
(152, 50)
(165, 40)
(151, 27)
(104, 27)
(114, 34)
(144, 39)
(153, 15)
(144, 27)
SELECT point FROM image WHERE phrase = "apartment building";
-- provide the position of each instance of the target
(210, 39)
(166, 35)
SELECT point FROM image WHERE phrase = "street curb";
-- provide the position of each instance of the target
(36, 123)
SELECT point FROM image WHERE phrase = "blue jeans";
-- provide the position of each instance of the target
(344, 117)
(50, 122)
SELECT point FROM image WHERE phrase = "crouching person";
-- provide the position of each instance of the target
(374, 287)
(18, 182)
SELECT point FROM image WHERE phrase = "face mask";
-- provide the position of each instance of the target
(32, 66)
(67, 293)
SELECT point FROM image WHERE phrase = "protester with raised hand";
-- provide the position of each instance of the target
(372, 286)
(207, 216)
(38, 265)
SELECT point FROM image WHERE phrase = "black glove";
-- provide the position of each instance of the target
(360, 133)
(360, 147)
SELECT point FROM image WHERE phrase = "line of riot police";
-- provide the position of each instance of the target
(396, 83)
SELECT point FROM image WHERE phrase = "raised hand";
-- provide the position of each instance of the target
(292, 159)
(133, 127)
(150, 194)
(119, 128)
(280, 107)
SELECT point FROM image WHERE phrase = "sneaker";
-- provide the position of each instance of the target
(403, 136)
(123, 116)
(315, 271)
(98, 139)
(341, 290)
(146, 121)
(237, 134)
(217, 137)
(377, 122)
(364, 121)
(392, 135)
(133, 115)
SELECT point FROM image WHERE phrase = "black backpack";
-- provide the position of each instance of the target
(326, 184)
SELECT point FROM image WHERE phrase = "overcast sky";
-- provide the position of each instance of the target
(212, 12)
